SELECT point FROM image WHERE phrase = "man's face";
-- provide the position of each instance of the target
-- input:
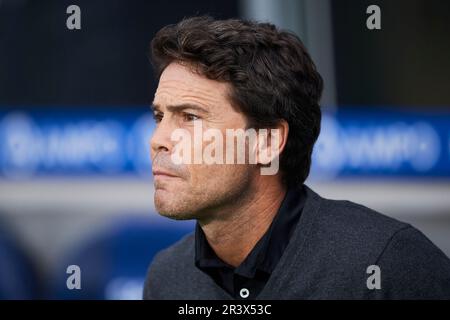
(193, 191)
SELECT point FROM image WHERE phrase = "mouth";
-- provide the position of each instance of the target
(163, 174)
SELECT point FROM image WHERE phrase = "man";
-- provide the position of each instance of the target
(263, 236)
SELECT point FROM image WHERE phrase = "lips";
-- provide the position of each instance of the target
(163, 173)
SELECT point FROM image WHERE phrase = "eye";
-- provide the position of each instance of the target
(190, 117)
(157, 116)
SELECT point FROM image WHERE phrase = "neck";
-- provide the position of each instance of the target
(233, 237)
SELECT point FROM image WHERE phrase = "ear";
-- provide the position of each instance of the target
(271, 142)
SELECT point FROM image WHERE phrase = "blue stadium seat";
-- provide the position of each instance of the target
(114, 264)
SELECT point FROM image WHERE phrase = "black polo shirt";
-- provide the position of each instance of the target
(248, 279)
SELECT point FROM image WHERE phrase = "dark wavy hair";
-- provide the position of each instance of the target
(271, 75)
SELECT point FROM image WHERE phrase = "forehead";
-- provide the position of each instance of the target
(178, 84)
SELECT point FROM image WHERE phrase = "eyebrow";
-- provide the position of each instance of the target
(180, 107)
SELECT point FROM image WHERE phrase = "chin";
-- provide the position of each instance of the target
(168, 208)
(176, 215)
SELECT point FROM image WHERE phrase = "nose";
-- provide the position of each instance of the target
(160, 140)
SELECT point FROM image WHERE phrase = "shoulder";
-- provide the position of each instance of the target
(352, 223)
(412, 267)
(351, 237)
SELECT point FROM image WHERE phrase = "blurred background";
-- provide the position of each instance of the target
(75, 176)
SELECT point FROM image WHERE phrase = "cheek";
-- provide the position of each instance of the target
(217, 177)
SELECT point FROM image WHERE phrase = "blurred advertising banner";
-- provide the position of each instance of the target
(111, 142)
